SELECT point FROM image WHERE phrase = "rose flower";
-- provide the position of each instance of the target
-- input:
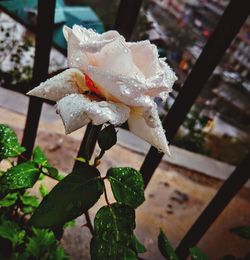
(111, 81)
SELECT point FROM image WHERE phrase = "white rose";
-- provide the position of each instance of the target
(110, 80)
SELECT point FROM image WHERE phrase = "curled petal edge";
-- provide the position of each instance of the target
(77, 110)
(65, 83)
(153, 135)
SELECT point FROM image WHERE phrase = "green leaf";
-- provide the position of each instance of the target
(72, 196)
(28, 210)
(40, 158)
(59, 254)
(43, 245)
(107, 138)
(9, 145)
(43, 190)
(23, 175)
(9, 200)
(100, 249)
(40, 242)
(29, 200)
(113, 226)
(243, 232)
(165, 247)
(127, 186)
(137, 246)
(197, 254)
(69, 224)
(11, 231)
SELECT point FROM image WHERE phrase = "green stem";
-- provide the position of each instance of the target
(106, 195)
(88, 223)
(90, 139)
(88, 144)
(86, 149)
(96, 162)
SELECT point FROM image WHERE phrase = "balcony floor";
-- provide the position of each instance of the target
(174, 198)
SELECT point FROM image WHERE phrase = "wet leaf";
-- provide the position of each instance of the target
(72, 196)
(9, 145)
(165, 247)
(40, 158)
(197, 254)
(107, 137)
(43, 245)
(21, 176)
(29, 200)
(243, 232)
(43, 190)
(11, 231)
(113, 227)
(9, 200)
(127, 186)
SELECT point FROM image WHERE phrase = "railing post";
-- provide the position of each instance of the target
(44, 33)
(229, 25)
(126, 16)
(225, 194)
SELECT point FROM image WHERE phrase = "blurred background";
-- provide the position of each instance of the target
(218, 124)
(213, 139)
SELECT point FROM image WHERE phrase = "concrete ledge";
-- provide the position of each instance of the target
(180, 157)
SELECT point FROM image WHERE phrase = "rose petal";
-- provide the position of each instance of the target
(65, 83)
(76, 57)
(96, 44)
(116, 57)
(145, 56)
(153, 135)
(77, 110)
(119, 88)
(169, 78)
(84, 44)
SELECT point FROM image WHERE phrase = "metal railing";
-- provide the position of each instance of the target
(229, 25)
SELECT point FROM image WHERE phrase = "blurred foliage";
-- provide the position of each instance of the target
(228, 149)
(12, 53)
(193, 137)
(18, 239)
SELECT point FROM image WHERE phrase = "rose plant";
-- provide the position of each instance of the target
(109, 82)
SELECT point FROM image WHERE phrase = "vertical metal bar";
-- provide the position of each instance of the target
(44, 32)
(126, 16)
(225, 194)
(230, 23)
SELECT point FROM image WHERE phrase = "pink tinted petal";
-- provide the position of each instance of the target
(145, 56)
(153, 135)
(68, 82)
(124, 89)
(77, 110)
(116, 57)
(76, 57)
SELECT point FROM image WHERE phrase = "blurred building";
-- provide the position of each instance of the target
(239, 53)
